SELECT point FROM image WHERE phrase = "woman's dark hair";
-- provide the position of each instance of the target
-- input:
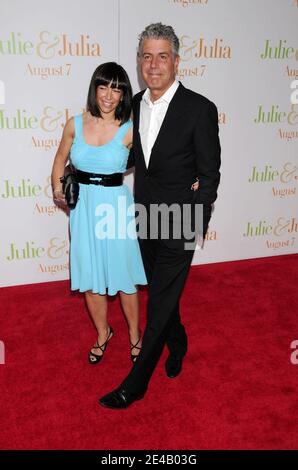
(114, 74)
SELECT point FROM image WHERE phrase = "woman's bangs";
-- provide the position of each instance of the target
(115, 82)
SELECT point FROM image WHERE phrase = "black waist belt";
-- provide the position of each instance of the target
(116, 179)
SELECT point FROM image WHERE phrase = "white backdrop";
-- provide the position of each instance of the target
(242, 55)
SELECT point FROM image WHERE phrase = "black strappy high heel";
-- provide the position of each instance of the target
(132, 346)
(95, 358)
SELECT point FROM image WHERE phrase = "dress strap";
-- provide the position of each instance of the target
(123, 130)
(78, 125)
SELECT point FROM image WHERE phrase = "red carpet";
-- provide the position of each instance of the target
(238, 389)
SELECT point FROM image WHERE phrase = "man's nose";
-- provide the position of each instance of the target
(153, 63)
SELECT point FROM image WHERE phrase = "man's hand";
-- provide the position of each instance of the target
(195, 186)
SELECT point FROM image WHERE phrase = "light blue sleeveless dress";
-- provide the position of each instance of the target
(104, 252)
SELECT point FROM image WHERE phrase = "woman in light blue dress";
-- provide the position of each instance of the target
(104, 253)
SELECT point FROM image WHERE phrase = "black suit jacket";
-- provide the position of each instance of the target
(186, 147)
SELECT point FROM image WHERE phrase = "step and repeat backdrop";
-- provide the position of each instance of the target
(241, 55)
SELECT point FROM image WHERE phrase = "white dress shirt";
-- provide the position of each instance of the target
(152, 115)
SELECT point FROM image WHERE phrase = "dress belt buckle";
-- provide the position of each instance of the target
(96, 181)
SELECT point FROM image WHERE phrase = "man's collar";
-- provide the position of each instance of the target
(166, 97)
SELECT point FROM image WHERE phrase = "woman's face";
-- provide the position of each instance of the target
(108, 98)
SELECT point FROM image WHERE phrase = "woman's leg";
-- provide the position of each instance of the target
(130, 305)
(98, 309)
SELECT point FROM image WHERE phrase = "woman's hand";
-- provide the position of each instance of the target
(59, 197)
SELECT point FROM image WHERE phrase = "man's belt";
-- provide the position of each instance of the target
(115, 179)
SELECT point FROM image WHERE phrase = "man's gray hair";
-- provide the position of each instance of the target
(159, 31)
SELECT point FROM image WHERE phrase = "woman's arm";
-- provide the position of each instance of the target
(131, 159)
(61, 158)
(128, 139)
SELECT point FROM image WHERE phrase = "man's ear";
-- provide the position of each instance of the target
(176, 63)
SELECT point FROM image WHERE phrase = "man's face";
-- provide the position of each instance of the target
(158, 65)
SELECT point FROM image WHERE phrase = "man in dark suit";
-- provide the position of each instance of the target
(175, 140)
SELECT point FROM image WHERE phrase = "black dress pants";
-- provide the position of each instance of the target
(166, 264)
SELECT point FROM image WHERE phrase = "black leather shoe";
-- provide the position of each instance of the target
(173, 366)
(120, 398)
